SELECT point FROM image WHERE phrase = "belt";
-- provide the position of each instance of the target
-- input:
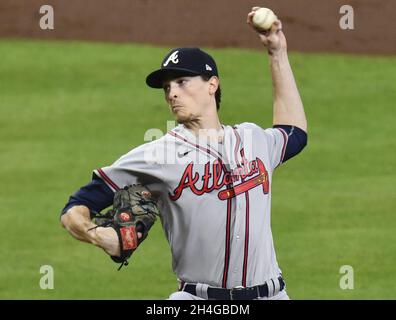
(269, 289)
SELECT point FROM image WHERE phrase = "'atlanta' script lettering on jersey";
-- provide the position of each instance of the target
(216, 176)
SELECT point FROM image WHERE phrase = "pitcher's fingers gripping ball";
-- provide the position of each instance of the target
(268, 27)
(134, 211)
(263, 19)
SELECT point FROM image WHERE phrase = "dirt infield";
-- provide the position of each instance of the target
(310, 25)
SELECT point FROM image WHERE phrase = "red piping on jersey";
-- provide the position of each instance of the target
(238, 138)
(108, 180)
(285, 139)
(246, 253)
(247, 217)
(227, 243)
(228, 224)
(197, 146)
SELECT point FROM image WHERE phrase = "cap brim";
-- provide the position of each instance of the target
(156, 79)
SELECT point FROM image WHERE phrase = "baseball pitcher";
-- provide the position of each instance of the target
(209, 184)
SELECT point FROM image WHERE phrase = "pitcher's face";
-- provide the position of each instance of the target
(187, 97)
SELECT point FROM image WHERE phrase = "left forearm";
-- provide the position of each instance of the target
(288, 107)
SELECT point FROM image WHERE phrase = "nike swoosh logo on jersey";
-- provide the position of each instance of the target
(183, 154)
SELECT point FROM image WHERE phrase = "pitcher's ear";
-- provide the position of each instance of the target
(213, 84)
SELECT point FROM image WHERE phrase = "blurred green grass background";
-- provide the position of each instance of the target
(69, 107)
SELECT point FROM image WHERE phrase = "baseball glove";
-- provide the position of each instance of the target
(134, 210)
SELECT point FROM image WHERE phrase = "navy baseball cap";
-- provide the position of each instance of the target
(183, 62)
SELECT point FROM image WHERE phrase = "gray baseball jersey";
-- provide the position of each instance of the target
(214, 199)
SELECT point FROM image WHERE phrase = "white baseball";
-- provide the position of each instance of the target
(263, 18)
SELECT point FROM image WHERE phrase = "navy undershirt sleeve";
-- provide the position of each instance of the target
(297, 140)
(96, 195)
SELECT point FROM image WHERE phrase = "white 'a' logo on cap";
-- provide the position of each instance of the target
(208, 68)
(173, 57)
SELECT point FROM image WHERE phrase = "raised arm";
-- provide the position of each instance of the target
(288, 108)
